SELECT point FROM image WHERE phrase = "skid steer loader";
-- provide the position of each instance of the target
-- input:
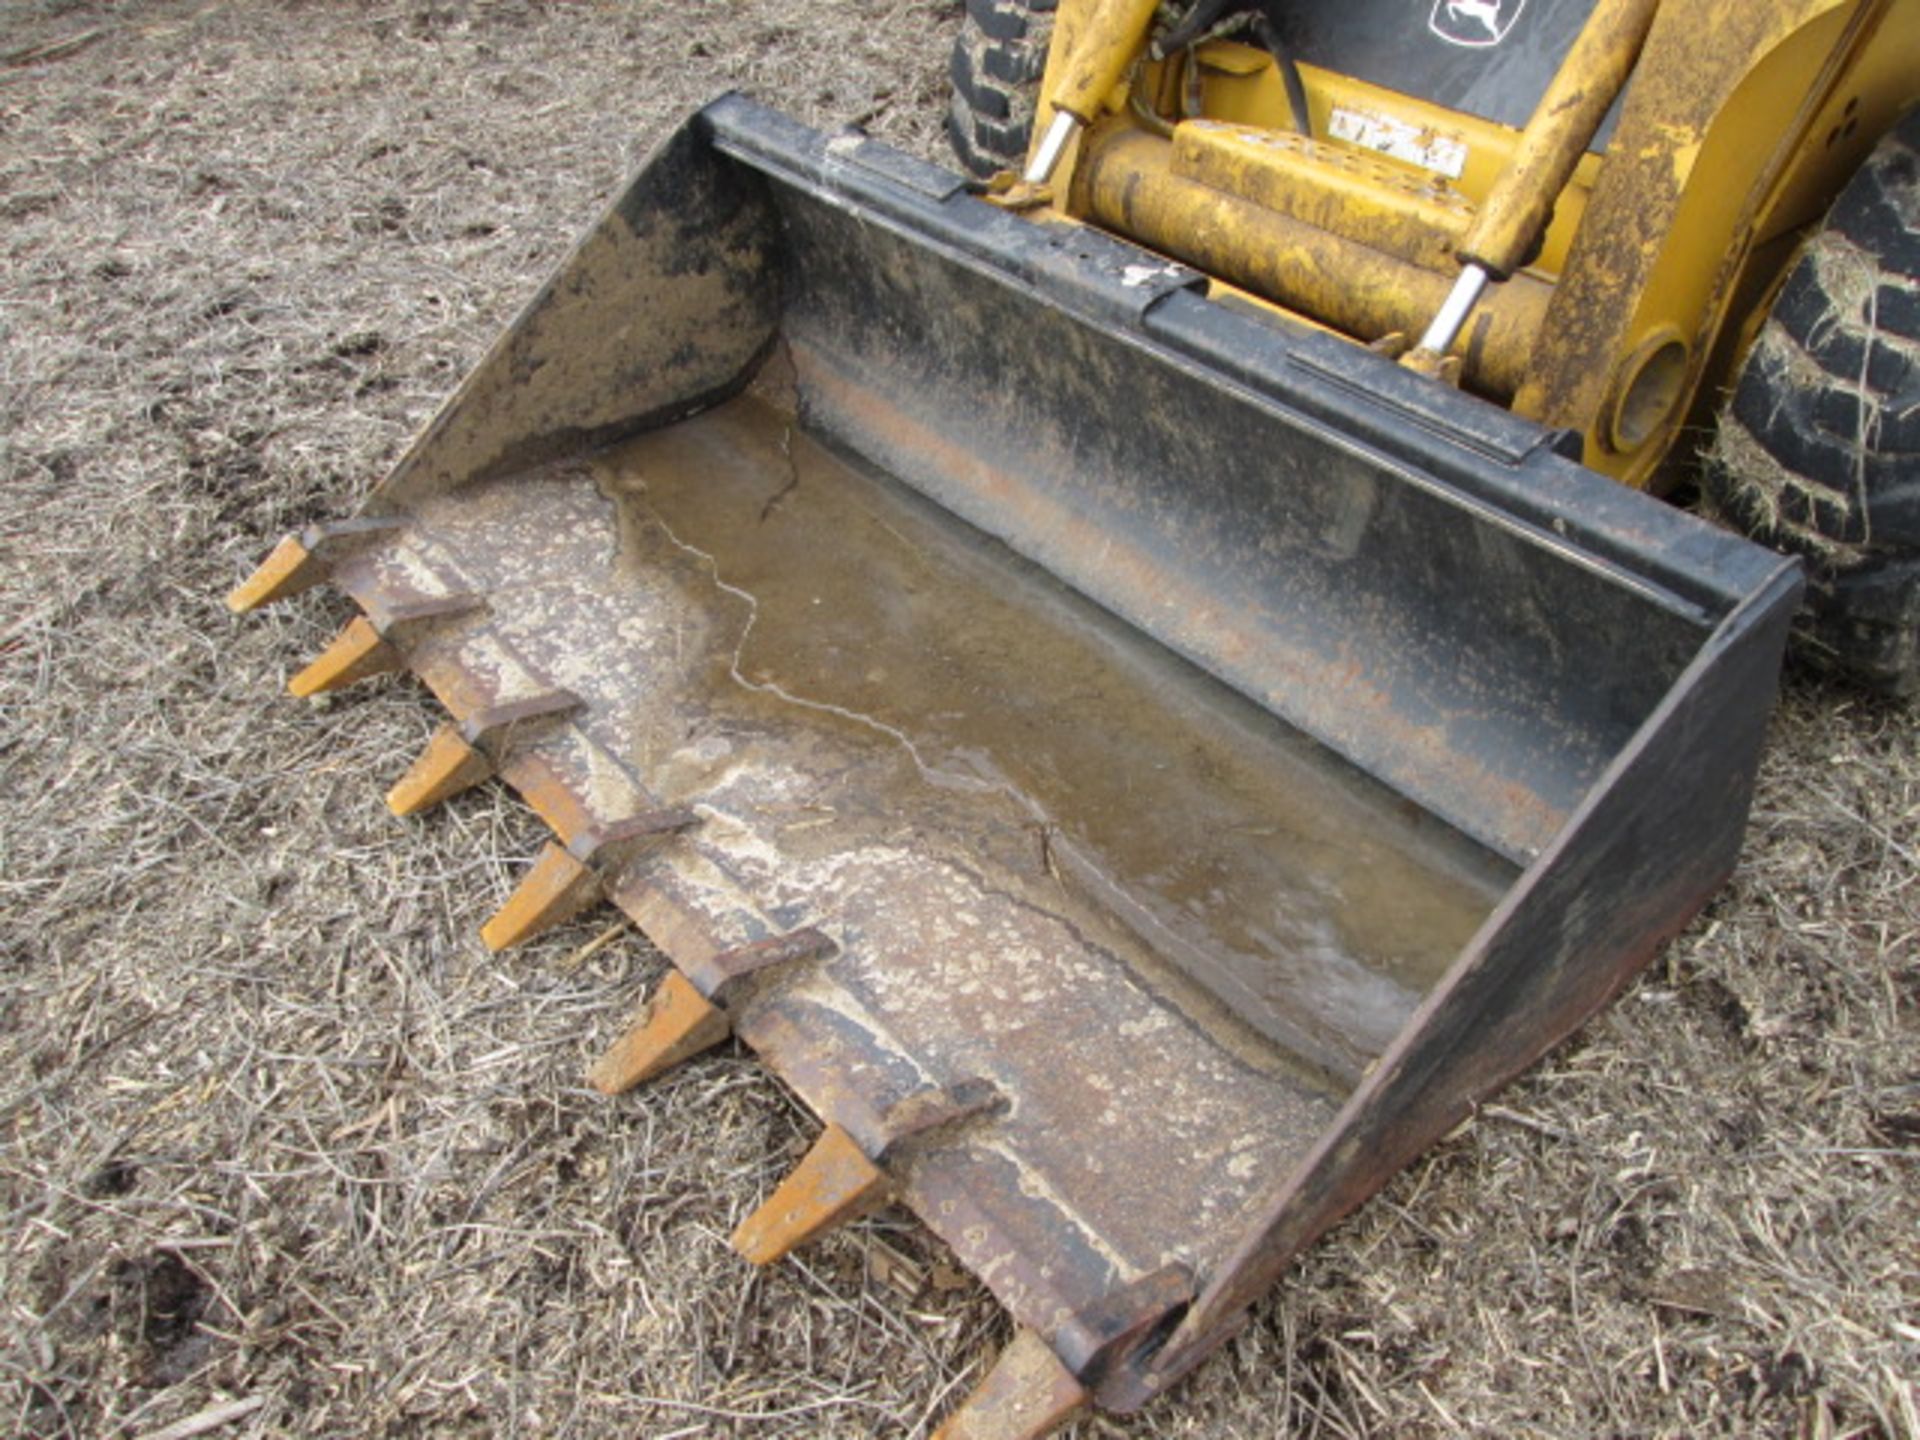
(1127, 739)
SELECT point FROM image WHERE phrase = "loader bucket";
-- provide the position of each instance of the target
(1139, 770)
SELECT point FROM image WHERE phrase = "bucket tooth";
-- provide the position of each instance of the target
(567, 879)
(677, 1023)
(557, 888)
(300, 562)
(288, 570)
(835, 1183)
(458, 757)
(1027, 1394)
(357, 652)
(446, 767)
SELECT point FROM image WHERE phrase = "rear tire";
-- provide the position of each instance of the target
(1818, 448)
(998, 58)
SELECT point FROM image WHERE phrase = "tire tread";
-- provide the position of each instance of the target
(997, 61)
(1818, 449)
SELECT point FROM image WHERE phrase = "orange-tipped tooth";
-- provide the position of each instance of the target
(446, 767)
(834, 1184)
(356, 652)
(291, 568)
(1026, 1395)
(558, 888)
(676, 1024)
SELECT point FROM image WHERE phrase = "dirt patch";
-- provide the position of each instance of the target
(277, 1129)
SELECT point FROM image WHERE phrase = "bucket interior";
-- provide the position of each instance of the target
(1017, 723)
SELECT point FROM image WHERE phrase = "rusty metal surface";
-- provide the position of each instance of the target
(714, 975)
(935, 1109)
(493, 730)
(611, 845)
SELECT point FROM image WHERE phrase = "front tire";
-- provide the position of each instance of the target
(998, 58)
(1818, 448)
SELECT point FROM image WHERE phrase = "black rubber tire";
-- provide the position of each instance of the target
(998, 58)
(1818, 447)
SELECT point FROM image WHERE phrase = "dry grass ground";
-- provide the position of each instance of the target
(285, 1152)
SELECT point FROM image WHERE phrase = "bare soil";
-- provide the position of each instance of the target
(285, 1152)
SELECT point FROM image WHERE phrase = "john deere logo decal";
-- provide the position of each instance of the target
(1475, 23)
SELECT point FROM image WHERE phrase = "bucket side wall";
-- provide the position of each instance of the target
(1650, 846)
(664, 307)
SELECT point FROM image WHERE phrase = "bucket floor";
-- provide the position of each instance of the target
(1053, 856)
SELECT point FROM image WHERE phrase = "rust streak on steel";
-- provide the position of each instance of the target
(720, 971)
